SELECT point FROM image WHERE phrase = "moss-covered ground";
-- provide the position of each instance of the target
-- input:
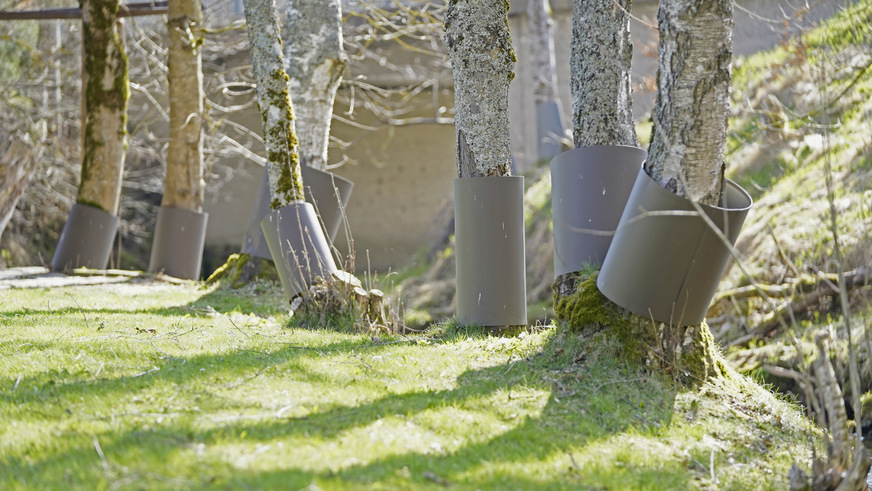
(150, 385)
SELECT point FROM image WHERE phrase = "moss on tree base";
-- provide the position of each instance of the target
(241, 269)
(688, 352)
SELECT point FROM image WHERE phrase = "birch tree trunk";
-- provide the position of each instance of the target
(602, 109)
(315, 62)
(104, 106)
(184, 185)
(482, 60)
(686, 155)
(542, 50)
(274, 102)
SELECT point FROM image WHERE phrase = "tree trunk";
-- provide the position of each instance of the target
(542, 51)
(274, 102)
(602, 109)
(315, 62)
(480, 49)
(686, 155)
(602, 105)
(184, 185)
(18, 161)
(104, 106)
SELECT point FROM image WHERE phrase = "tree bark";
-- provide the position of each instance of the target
(315, 62)
(602, 108)
(18, 161)
(104, 106)
(686, 155)
(542, 50)
(184, 184)
(482, 60)
(274, 102)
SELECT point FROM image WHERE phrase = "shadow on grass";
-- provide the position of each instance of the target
(583, 406)
(263, 299)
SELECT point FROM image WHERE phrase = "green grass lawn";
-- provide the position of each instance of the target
(152, 385)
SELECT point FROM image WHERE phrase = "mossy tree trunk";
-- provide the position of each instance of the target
(184, 184)
(686, 155)
(105, 95)
(482, 60)
(274, 102)
(315, 62)
(602, 105)
(542, 51)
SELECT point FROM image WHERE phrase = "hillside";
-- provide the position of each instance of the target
(800, 143)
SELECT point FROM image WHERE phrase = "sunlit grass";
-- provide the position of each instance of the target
(142, 385)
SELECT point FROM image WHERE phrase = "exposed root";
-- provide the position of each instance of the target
(342, 302)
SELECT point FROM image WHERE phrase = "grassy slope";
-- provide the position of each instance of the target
(149, 385)
(798, 110)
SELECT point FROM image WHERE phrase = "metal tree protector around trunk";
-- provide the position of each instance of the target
(315, 61)
(488, 206)
(489, 251)
(86, 240)
(665, 261)
(180, 233)
(686, 155)
(589, 190)
(298, 247)
(179, 237)
(601, 54)
(105, 93)
(327, 192)
(549, 116)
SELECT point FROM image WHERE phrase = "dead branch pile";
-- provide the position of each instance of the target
(777, 306)
(847, 462)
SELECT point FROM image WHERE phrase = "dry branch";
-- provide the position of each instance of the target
(18, 162)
